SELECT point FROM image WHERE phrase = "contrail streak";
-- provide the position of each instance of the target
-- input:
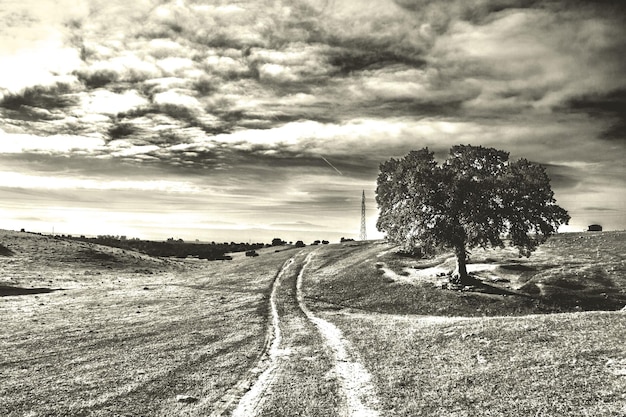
(331, 165)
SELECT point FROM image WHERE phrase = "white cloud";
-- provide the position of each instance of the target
(277, 72)
(122, 148)
(166, 83)
(172, 65)
(18, 143)
(226, 64)
(419, 86)
(107, 102)
(356, 134)
(296, 54)
(135, 150)
(162, 47)
(176, 98)
(46, 62)
(48, 182)
(94, 119)
(297, 61)
(129, 66)
(223, 9)
(35, 24)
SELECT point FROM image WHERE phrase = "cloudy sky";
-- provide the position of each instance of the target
(252, 119)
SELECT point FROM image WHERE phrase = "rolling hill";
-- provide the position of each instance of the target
(97, 331)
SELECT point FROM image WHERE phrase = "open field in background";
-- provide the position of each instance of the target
(100, 331)
(123, 333)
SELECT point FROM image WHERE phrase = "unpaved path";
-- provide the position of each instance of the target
(248, 390)
(355, 380)
(264, 386)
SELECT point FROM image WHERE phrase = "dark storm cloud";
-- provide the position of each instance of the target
(48, 98)
(255, 120)
(563, 176)
(357, 56)
(600, 209)
(52, 165)
(309, 162)
(610, 107)
(408, 106)
(617, 130)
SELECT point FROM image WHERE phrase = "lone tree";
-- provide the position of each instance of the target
(473, 199)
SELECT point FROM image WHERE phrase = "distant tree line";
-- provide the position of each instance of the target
(173, 247)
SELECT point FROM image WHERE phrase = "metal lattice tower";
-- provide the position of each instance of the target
(363, 235)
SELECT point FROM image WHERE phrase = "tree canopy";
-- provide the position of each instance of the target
(475, 198)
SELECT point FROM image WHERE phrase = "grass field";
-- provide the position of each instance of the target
(492, 351)
(571, 272)
(123, 333)
(97, 331)
(571, 364)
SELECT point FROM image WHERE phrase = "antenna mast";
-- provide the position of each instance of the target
(363, 235)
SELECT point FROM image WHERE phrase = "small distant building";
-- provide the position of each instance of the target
(594, 228)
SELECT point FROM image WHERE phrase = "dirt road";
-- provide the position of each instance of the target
(308, 367)
(250, 389)
(355, 380)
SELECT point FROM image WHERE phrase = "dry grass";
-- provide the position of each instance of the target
(99, 331)
(432, 352)
(550, 365)
(348, 277)
(123, 334)
(572, 272)
(305, 384)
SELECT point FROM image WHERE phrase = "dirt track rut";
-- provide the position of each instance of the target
(247, 393)
(307, 368)
(355, 380)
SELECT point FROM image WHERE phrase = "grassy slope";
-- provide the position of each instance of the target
(550, 365)
(583, 271)
(125, 333)
(575, 272)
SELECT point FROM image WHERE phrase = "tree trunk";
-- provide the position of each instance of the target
(460, 275)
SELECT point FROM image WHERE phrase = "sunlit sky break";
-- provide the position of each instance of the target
(253, 119)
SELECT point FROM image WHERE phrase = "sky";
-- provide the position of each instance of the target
(253, 119)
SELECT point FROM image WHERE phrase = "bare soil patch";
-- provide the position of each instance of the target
(267, 366)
